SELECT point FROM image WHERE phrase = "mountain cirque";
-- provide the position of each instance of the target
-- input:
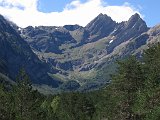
(73, 52)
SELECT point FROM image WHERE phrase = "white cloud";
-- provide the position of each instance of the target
(25, 4)
(25, 12)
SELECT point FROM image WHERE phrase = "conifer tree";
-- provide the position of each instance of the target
(26, 102)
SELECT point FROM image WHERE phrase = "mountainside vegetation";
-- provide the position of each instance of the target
(78, 53)
(133, 94)
(16, 53)
(72, 57)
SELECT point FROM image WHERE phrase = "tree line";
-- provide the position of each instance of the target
(133, 94)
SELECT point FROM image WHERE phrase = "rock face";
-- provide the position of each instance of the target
(100, 27)
(15, 53)
(47, 39)
(72, 27)
(130, 29)
(71, 50)
(77, 48)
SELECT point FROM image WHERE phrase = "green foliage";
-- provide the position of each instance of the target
(75, 106)
(133, 94)
(4, 104)
(21, 102)
(70, 86)
(24, 98)
(151, 60)
(134, 91)
(55, 103)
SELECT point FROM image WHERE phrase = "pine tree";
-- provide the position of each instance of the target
(126, 83)
(26, 103)
(5, 102)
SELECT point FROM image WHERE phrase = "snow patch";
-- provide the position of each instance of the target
(19, 29)
(110, 41)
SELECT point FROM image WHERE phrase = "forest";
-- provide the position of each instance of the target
(133, 94)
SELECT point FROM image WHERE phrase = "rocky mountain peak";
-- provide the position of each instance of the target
(125, 31)
(101, 18)
(100, 27)
(136, 22)
(136, 16)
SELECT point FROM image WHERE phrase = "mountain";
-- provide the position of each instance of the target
(15, 53)
(75, 53)
(47, 39)
(134, 27)
(100, 27)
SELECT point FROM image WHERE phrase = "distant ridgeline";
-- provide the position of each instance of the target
(72, 57)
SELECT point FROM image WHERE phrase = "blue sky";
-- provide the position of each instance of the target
(54, 5)
(148, 8)
(61, 12)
